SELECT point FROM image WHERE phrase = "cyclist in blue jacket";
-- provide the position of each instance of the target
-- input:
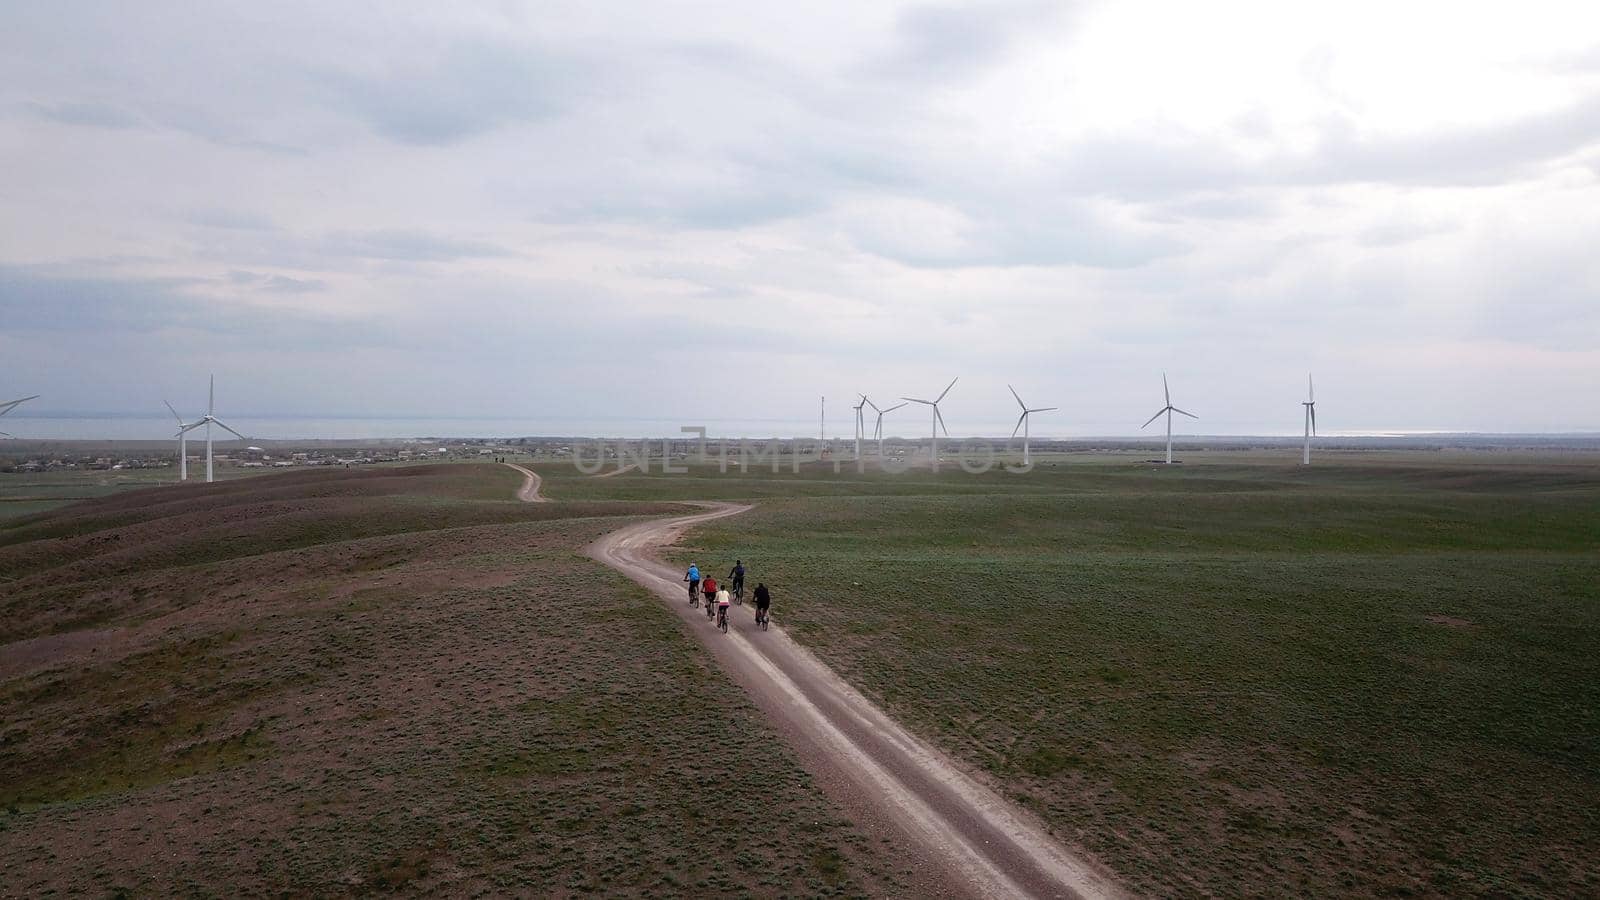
(693, 577)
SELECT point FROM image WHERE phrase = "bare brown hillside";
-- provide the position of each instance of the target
(342, 681)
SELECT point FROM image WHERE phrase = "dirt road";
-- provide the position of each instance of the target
(529, 493)
(967, 840)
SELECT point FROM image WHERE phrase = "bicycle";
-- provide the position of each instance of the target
(763, 619)
(694, 593)
(722, 618)
(711, 606)
(738, 592)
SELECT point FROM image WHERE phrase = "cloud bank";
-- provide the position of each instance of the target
(538, 209)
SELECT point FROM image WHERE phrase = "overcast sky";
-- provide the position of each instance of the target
(704, 210)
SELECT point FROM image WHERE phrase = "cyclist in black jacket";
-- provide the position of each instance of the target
(763, 602)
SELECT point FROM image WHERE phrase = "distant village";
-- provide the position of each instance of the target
(55, 456)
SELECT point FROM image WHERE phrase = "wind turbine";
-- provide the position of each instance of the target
(878, 431)
(207, 420)
(861, 422)
(1169, 409)
(938, 420)
(9, 405)
(183, 442)
(1022, 423)
(1310, 403)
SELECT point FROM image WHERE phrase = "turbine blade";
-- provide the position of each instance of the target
(230, 430)
(1152, 419)
(1019, 424)
(940, 417)
(893, 408)
(211, 400)
(915, 400)
(1314, 418)
(873, 405)
(947, 388)
(1164, 390)
(1311, 389)
(1182, 413)
(174, 412)
(3, 434)
(1014, 394)
(1045, 409)
(9, 405)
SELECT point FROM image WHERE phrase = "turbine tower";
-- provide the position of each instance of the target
(183, 442)
(877, 432)
(207, 420)
(938, 420)
(9, 405)
(1169, 409)
(1022, 424)
(1310, 403)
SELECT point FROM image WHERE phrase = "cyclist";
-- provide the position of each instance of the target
(723, 601)
(763, 603)
(709, 588)
(737, 577)
(693, 577)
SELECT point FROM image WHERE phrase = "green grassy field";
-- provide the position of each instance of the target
(1379, 675)
(336, 683)
(27, 493)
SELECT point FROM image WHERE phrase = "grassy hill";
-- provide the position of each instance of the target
(1376, 676)
(342, 681)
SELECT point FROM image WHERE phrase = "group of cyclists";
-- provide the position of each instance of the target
(718, 598)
